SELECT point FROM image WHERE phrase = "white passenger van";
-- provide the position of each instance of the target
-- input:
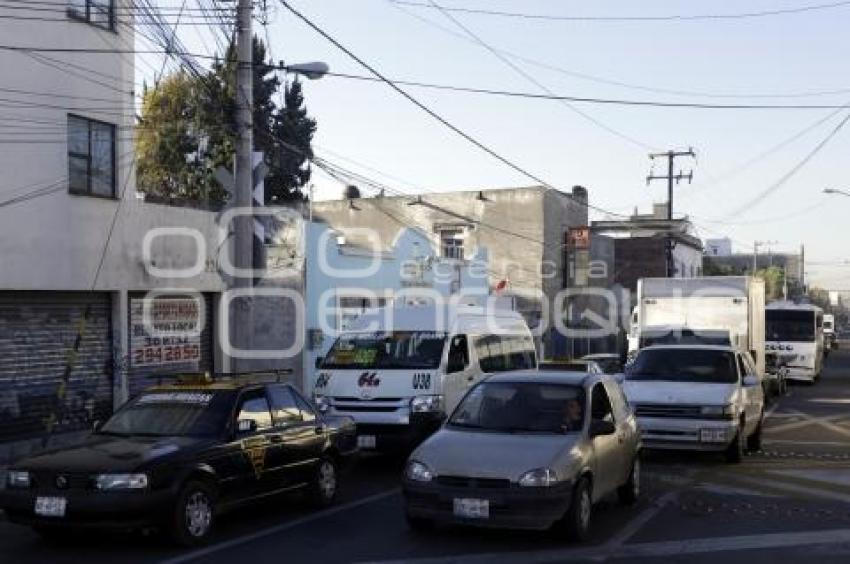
(794, 332)
(400, 370)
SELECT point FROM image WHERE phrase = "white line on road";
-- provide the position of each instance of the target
(768, 442)
(632, 527)
(200, 553)
(775, 483)
(650, 549)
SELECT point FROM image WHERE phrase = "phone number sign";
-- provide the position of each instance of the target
(170, 333)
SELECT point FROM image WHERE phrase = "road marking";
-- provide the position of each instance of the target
(807, 420)
(201, 552)
(632, 527)
(650, 549)
(768, 442)
(826, 422)
(776, 483)
(770, 411)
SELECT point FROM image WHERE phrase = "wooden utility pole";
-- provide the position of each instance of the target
(670, 177)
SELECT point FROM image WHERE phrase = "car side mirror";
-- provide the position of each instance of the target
(246, 426)
(600, 427)
(319, 361)
(751, 380)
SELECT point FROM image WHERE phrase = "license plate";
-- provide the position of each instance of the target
(472, 508)
(366, 441)
(712, 435)
(50, 506)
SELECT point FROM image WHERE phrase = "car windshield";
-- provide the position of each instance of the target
(397, 349)
(171, 413)
(517, 407)
(794, 326)
(684, 365)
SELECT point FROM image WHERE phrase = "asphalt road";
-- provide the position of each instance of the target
(788, 503)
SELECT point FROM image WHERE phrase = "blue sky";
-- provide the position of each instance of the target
(778, 55)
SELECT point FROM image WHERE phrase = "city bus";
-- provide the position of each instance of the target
(794, 333)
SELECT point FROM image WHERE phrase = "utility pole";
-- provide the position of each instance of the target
(243, 236)
(670, 177)
(756, 245)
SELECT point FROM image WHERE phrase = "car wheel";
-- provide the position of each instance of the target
(629, 492)
(576, 523)
(735, 451)
(754, 440)
(325, 483)
(418, 524)
(194, 513)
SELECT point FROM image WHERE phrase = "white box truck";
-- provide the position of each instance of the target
(712, 310)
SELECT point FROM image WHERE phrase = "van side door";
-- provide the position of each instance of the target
(460, 373)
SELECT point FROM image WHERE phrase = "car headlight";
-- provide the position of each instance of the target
(322, 403)
(18, 479)
(121, 481)
(421, 404)
(539, 478)
(718, 410)
(418, 472)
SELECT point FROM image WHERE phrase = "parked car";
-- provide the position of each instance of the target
(530, 451)
(610, 363)
(697, 397)
(179, 454)
(579, 366)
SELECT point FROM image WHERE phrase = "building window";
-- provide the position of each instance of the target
(451, 243)
(91, 157)
(100, 13)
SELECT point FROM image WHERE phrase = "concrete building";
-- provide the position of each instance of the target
(76, 335)
(718, 247)
(342, 280)
(525, 231)
(640, 246)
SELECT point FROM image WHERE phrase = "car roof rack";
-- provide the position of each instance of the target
(207, 378)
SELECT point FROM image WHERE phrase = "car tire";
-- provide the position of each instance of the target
(418, 524)
(754, 440)
(193, 515)
(325, 484)
(629, 492)
(576, 522)
(735, 450)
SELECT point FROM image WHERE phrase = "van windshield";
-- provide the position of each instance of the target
(786, 325)
(396, 349)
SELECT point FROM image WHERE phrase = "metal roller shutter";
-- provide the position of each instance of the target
(38, 331)
(179, 351)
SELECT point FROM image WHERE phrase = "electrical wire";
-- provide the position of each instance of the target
(660, 18)
(618, 83)
(528, 77)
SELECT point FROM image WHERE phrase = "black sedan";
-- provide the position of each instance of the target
(177, 455)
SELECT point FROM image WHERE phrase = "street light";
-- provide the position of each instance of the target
(311, 71)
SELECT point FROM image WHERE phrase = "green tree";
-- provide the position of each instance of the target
(202, 114)
(774, 282)
(170, 165)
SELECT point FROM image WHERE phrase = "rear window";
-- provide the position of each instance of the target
(684, 365)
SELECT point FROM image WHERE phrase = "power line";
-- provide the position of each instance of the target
(428, 110)
(794, 170)
(612, 82)
(517, 69)
(659, 18)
